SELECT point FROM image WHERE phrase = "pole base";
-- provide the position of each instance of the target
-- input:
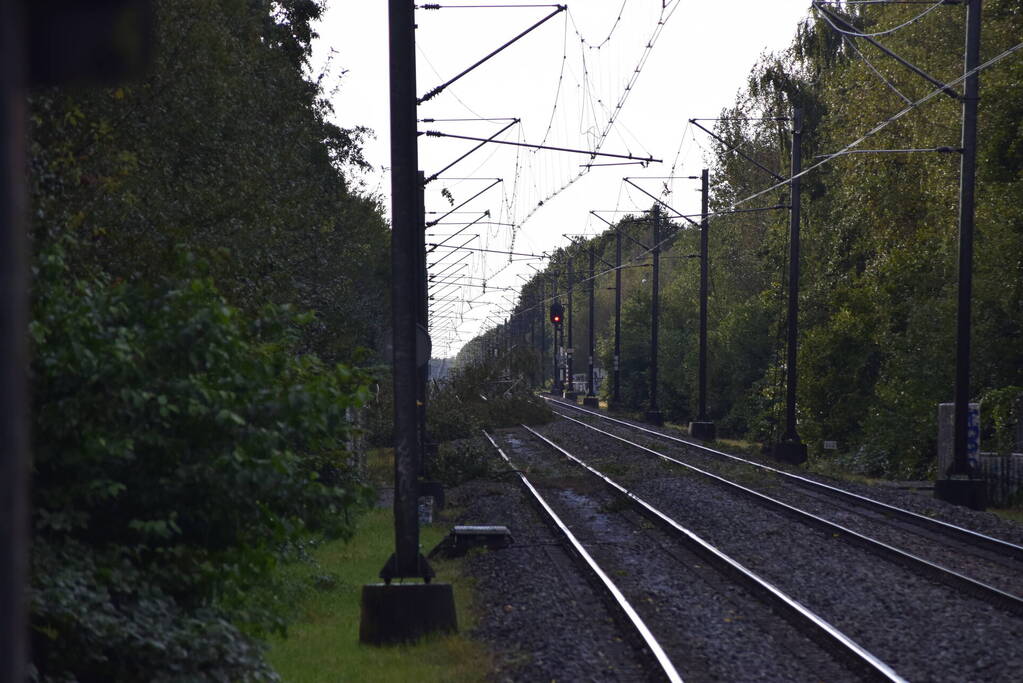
(705, 431)
(971, 493)
(791, 452)
(655, 417)
(435, 489)
(420, 569)
(570, 395)
(591, 401)
(403, 613)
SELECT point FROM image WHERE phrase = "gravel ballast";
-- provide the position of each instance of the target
(926, 631)
(937, 547)
(701, 618)
(540, 618)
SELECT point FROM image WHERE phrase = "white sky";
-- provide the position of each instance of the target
(701, 57)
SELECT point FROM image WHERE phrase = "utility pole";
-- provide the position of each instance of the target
(616, 395)
(422, 316)
(703, 428)
(790, 449)
(532, 344)
(406, 561)
(403, 612)
(570, 391)
(960, 484)
(654, 415)
(543, 328)
(14, 442)
(591, 396)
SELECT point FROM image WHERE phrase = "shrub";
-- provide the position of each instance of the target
(179, 448)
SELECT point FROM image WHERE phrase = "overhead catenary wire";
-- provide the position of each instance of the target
(884, 124)
(935, 5)
(848, 41)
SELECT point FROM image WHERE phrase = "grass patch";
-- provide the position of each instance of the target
(1013, 514)
(380, 466)
(323, 643)
(738, 446)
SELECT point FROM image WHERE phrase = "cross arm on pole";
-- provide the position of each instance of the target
(451, 265)
(843, 25)
(678, 213)
(492, 251)
(436, 175)
(497, 181)
(733, 148)
(440, 88)
(457, 232)
(592, 154)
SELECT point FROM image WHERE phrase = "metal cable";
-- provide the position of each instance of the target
(880, 33)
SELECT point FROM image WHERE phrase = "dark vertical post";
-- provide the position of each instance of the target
(960, 486)
(703, 428)
(558, 343)
(533, 346)
(404, 252)
(422, 316)
(791, 449)
(543, 328)
(653, 414)
(591, 395)
(570, 349)
(14, 449)
(616, 397)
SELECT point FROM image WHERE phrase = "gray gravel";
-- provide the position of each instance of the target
(710, 628)
(541, 620)
(919, 501)
(924, 630)
(1005, 574)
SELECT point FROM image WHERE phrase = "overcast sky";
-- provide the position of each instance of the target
(650, 65)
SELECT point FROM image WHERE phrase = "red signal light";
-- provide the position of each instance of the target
(557, 312)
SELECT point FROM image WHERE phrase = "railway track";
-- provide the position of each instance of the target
(680, 585)
(987, 567)
(927, 627)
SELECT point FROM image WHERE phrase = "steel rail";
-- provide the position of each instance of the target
(990, 594)
(802, 618)
(620, 600)
(990, 543)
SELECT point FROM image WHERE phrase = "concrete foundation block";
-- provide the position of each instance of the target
(791, 452)
(403, 613)
(971, 493)
(591, 401)
(705, 431)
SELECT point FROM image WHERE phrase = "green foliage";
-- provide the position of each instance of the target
(1001, 412)
(227, 148)
(463, 460)
(481, 396)
(179, 447)
(878, 276)
(189, 426)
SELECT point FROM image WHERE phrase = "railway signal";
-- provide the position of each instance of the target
(557, 313)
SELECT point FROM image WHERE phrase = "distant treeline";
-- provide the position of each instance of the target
(879, 249)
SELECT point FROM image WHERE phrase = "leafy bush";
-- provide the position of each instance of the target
(179, 448)
(475, 397)
(1000, 412)
(463, 460)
